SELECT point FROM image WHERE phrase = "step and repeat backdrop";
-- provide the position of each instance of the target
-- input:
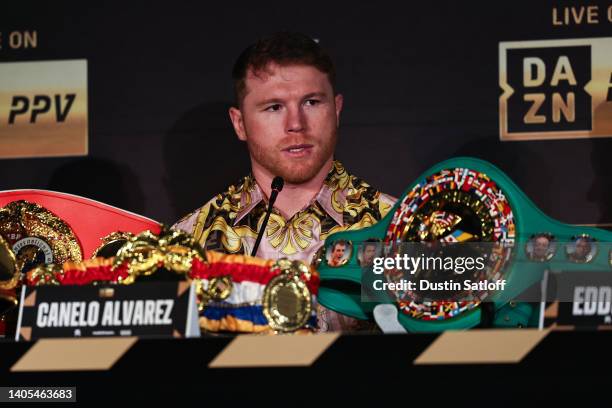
(127, 103)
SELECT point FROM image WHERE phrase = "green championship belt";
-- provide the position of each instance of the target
(463, 200)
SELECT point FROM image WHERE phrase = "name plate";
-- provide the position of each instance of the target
(151, 309)
(585, 300)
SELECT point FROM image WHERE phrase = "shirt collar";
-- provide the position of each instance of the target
(331, 197)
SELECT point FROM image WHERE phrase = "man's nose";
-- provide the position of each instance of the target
(296, 119)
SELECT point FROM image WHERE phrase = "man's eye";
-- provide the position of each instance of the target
(312, 102)
(273, 108)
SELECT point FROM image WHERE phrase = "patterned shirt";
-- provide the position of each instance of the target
(229, 222)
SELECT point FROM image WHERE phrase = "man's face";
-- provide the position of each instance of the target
(289, 118)
(541, 247)
(582, 248)
(338, 252)
(368, 254)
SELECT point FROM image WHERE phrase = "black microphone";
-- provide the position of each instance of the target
(277, 186)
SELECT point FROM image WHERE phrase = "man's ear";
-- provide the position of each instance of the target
(339, 99)
(238, 123)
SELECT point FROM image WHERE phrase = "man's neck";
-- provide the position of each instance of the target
(294, 197)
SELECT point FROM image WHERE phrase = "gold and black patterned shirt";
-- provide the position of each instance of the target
(229, 222)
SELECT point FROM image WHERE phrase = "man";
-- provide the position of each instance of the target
(541, 245)
(369, 251)
(337, 254)
(288, 112)
(582, 250)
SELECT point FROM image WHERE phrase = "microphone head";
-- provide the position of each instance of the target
(278, 183)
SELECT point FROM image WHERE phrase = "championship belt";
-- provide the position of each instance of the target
(77, 221)
(30, 236)
(462, 200)
(42, 230)
(235, 293)
(37, 236)
(239, 293)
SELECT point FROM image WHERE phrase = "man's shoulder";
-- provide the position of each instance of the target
(225, 204)
(360, 191)
(187, 223)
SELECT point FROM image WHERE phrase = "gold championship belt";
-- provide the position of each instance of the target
(37, 236)
(235, 293)
(240, 293)
(30, 236)
(146, 253)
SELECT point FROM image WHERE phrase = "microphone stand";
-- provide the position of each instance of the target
(277, 186)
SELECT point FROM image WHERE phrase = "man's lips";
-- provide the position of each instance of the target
(298, 150)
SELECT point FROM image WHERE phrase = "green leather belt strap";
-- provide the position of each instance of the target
(528, 223)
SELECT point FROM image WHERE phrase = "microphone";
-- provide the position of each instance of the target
(277, 186)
